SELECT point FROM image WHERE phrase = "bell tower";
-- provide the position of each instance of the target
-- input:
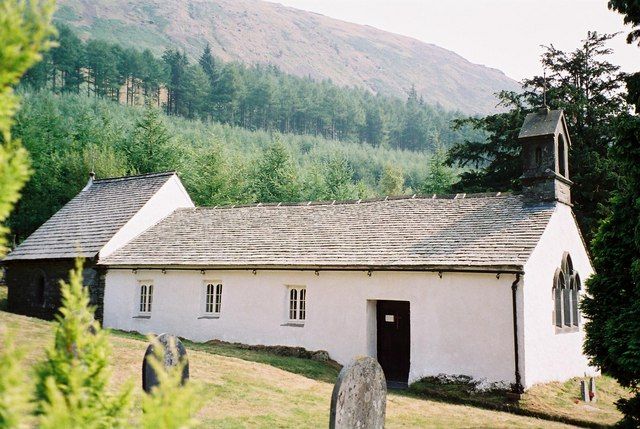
(545, 152)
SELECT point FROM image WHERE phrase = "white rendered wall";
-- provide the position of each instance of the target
(460, 324)
(551, 356)
(169, 197)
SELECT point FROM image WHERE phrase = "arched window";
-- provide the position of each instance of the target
(538, 157)
(566, 295)
(558, 285)
(561, 156)
(146, 297)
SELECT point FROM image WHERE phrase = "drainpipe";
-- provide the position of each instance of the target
(514, 289)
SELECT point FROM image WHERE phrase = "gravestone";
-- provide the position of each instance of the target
(592, 389)
(584, 391)
(174, 353)
(359, 398)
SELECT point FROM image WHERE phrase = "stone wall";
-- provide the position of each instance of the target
(34, 286)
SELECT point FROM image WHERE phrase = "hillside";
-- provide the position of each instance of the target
(242, 388)
(298, 42)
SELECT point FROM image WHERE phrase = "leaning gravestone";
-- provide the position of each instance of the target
(174, 353)
(359, 398)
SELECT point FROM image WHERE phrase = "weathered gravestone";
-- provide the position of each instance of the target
(174, 353)
(592, 390)
(359, 398)
(584, 391)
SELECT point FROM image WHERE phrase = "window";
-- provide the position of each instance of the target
(213, 298)
(566, 296)
(297, 304)
(561, 156)
(146, 297)
(538, 157)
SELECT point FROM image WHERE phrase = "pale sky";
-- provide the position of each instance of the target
(504, 34)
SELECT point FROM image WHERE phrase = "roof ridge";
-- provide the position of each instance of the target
(135, 176)
(363, 201)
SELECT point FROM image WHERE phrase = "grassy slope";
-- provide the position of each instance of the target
(251, 389)
(243, 393)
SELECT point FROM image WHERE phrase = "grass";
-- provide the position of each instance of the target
(554, 401)
(248, 388)
(320, 371)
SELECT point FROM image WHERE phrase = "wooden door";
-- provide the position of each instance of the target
(394, 339)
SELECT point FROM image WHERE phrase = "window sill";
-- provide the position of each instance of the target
(211, 316)
(142, 316)
(567, 329)
(294, 324)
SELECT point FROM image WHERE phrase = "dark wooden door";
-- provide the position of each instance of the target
(394, 339)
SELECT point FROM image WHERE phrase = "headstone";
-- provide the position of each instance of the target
(174, 353)
(359, 398)
(592, 389)
(584, 391)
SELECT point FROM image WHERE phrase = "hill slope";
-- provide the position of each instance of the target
(299, 42)
(239, 392)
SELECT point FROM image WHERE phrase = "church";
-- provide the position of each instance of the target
(483, 285)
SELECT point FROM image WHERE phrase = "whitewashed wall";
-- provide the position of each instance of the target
(549, 355)
(170, 196)
(460, 324)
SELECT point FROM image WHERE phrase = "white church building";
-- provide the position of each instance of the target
(484, 285)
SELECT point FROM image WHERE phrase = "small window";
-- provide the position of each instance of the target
(146, 297)
(561, 156)
(213, 298)
(538, 157)
(297, 304)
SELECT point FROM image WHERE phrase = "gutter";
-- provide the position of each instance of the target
(505, 269)
(517, 387)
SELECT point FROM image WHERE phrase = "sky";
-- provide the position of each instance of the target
(503, 34)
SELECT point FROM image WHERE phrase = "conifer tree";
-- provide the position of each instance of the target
(392, 180)
(612, 304)
(149, 149)
(275, 179)
(25, 30)
(72, 380)
(14, 396)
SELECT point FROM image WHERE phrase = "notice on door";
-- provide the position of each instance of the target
(390, 318)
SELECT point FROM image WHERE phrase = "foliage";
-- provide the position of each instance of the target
(275, 179)
(69, 135)
(631, 11)
(588, 88)
(392, 180)
(441, 176)
(253, 97)
(149, 149)
(25, 28)
(496, 161)
(14, 397)
(72, 380)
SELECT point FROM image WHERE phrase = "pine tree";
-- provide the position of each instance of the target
(25, 30)
(275, 179)
(392, 180)
(338, 176)
(441, 177)
(72, 381)
(612, 302)
(149, 149)
(14, 397)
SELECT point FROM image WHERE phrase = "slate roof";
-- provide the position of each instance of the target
(425, 232)
(541, 123)
(87, 222)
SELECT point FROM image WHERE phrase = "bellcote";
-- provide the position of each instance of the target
(545, 152)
